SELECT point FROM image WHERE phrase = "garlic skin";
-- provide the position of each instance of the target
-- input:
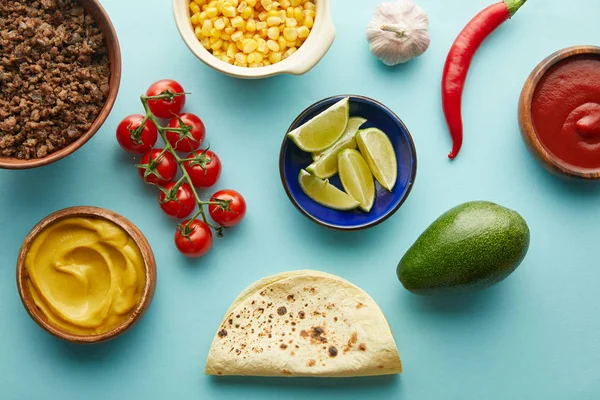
(398, 32)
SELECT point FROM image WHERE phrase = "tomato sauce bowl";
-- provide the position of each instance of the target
(559, 112)
(292, 160)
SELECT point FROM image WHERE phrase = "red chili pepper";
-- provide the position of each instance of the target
(459, 60)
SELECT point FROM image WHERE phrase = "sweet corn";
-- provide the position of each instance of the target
(272, 45)
(273, 33)
(249, 45)
(252, 33)
(290, 34)
(303, 32)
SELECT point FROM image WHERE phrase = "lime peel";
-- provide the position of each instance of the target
(379, 154)
(356, 178)
(325, 193)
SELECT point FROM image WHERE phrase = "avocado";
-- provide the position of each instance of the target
(472, 246)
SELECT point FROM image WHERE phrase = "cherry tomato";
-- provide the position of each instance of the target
(205, 169)
(190, 140)
(134, 140)
(157, 169)
(177, 203)
(231, 209)
(166, 108)
(193, 239)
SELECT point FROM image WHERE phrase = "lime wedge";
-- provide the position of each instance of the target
(357, 178)
(326, 163)
(379, 153)
(323, 130)
(325, 193)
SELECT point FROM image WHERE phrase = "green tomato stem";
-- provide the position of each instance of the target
(180, 161)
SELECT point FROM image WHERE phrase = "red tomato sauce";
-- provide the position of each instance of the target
(566, 111)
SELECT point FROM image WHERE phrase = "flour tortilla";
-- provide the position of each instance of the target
(303, 323)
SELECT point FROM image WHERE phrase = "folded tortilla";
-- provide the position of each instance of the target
(304, 323)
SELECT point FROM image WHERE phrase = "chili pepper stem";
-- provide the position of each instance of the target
(185, 176)
(513, 5)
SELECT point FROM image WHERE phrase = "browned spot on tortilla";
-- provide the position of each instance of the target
(230, 321)
(222, 333)
(271, 290)
(290, 297)
(380, 366)
(351, 342)
(291, 341)
(330, 306)
(292, 353)
(219, 373)
(362, 347)
(237, 316)
(311, 363)
(306, 305)
(296, 346)
(237, 325)
(282, 310)
(332, 351)
(316, 313)
(317, 335)
(263, 292)
(270, 336)
(303, 333)
(293, 323)
(253, 302)
(238, 352)
(335, 319)
(258, 312)
(359, 305)
(301, 315)
(313, 290)
(285, 371)
(283, 346)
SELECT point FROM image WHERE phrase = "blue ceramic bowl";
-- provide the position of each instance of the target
(292, 160)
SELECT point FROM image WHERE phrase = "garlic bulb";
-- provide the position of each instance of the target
(398, 32)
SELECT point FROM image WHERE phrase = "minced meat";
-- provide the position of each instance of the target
(54, 75)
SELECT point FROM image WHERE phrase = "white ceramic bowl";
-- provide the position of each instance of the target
(308, 55)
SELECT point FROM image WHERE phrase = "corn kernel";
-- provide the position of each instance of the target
(309, 5)
(215, 33)
(194, 8)
(272, 13)
(237, 22)
(274, 57)
(289, 12)
(216, 45)
(205, 43)
(272, 21)
(217, 53)
(291, 23)
(249, 45)
(290, 34)
(273, 33)
(219, 24)
(239, 45)
(233, 2)
(251, 3)
(247, 13)
(282, 15)
(261, 25)
(303, 32)
(250, 25)
(229, 30)
(195, 19)
(238, 64)
(266, 4)
(231, 50)
(289, 52)
(308, 21)
(238, 35)
(262, 45)
(295, 3)
(227, 38)
(200, 2)
(206, 27)
(253, 65)
(266, 63)
(242, 6)
(262, 16)
(198, 32)
(241, 58)
(285, 4)
(211, 12)
(257, 57)
(298, 14)
(282, 43)
(229, 11)
(272, 45)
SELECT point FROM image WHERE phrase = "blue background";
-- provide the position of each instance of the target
(534, 336)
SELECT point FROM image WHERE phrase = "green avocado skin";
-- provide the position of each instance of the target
(470, 247)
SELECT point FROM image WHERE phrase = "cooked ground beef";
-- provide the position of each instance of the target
(54, 75)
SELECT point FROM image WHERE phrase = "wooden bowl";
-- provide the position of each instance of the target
(549, 160)
(149, 268)
(95, 9)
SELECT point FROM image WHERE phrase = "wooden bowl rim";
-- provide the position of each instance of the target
(526, 120)
(149, 270)
(114, 50)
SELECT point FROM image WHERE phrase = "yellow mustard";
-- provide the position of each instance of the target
(85, 274)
